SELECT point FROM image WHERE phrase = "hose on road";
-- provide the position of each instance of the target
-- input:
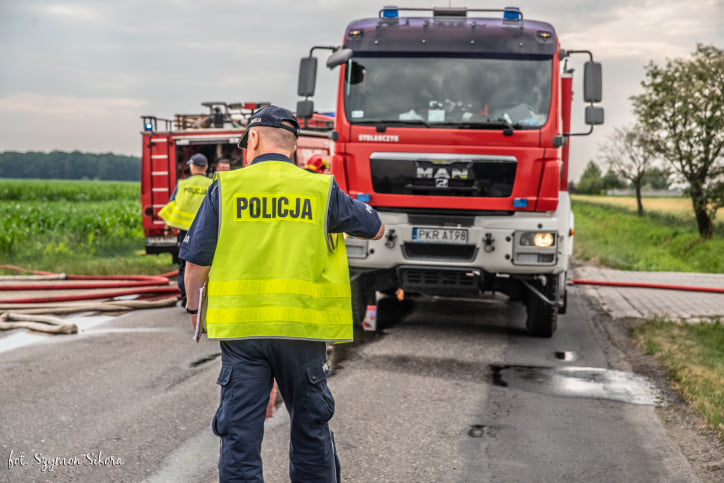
(38, 323)
(150, 292)
(660, 286)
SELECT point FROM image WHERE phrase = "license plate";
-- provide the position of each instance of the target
(439, 235)
(161, 241)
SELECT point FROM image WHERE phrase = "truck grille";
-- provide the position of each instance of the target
(439, 281)
(438, 251)
(442, 174)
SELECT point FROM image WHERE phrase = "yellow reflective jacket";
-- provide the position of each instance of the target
(276, 272)
(181, 211)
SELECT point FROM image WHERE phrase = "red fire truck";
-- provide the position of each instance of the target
(455, 127)
(168, 143)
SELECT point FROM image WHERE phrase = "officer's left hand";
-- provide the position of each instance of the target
(193, 323)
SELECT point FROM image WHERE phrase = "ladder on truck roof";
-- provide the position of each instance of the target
(221, 115)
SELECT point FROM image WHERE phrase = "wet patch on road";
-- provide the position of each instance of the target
(562, 381)
(480, 430)
(568, 356)
(580, 382)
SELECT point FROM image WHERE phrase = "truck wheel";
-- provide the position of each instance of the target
(542, 317)
(564, 308)
(362, 296)
(389, 311)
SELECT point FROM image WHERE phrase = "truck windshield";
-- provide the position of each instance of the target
(469, 93)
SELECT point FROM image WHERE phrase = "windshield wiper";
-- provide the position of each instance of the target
(491, 124)
(388, 122)
(507, 126)
(499, 123)
(414, 122)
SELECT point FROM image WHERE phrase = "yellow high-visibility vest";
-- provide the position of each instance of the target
(276, 272)
(181, 211)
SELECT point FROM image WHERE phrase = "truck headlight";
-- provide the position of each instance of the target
(534, 248)
(536, 239)
(543, 240)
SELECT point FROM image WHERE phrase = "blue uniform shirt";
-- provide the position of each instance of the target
(345, 215)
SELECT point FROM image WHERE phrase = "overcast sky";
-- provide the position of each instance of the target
(77, 75)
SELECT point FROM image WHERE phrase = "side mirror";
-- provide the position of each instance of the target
(594, 115)
(307, 76)
(592, 81)
(339, 57)
(305, 109)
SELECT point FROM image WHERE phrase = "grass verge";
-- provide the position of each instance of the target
(694, 356)
(615, 237)
(130, 261)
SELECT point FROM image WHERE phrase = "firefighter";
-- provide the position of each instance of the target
(268, 242)
(223, 164)
(316, 164)
(183, 205)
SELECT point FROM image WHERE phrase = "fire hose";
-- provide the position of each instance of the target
(149, 288)
(150, 292)
(660, 286)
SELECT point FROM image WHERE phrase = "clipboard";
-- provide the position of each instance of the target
(200, 316)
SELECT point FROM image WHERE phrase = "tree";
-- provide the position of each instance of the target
(656, 178)
(682, 107)
(612, 181)
(629, 154)
(590, 182)
(75, 165)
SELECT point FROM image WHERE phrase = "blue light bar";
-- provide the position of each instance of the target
(520, 202)
(390, 11)
(148, 126)
(511, 13)
(363, 197)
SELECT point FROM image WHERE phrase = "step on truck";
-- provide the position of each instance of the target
(168, 143)
(454, 124)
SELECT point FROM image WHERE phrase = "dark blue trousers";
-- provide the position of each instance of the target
(248, 370)
(181, 266)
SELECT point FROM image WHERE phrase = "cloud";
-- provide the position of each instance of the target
(73, 12)
(69, 108)
(650, 30)
(103, 64)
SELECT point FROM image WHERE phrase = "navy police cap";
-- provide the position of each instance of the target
(271, 116)
(198, 159)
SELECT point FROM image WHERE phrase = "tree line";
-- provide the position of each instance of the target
(594, 181)
(679, 131)
(69, 165)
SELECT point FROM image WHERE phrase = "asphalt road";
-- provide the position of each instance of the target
(454, 392)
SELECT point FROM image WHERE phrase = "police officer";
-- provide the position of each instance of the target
(268, 240)
(183, 205)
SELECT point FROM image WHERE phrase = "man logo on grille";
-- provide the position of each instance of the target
(441, 173)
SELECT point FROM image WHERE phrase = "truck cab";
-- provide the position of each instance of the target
(454, 127)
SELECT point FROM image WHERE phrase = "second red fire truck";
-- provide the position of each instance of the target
(168, 143)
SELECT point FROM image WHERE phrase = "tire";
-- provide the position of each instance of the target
(564, 308)
(362, 296)
(389, 311)
(542, 318)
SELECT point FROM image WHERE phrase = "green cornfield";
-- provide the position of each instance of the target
(59, 225)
